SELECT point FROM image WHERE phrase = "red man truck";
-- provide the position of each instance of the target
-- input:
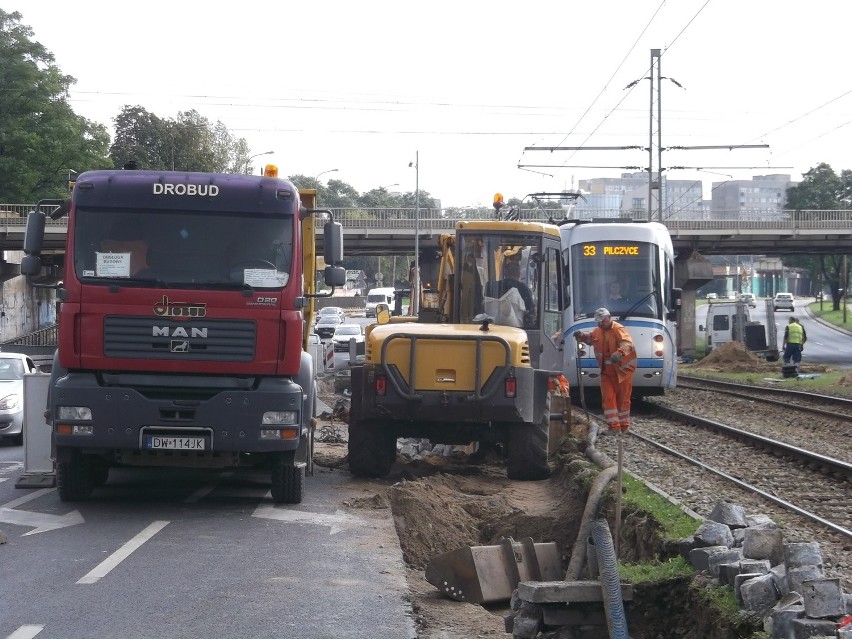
(185, 305)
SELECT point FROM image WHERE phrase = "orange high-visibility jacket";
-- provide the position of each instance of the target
(606, 342)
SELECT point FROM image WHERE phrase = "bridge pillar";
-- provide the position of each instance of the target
(692, 271)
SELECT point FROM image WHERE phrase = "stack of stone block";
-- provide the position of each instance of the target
(784, 582)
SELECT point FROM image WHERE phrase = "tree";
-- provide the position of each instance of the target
(822, 189)
(188, 142)
(41, 138)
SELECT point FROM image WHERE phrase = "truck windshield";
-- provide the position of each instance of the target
(619, 276)
(498, 276)
(183, 248)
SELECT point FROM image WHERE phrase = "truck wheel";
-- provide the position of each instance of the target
(288, 481)
(372, 449)
(99, 472)
(74, 477)
(527, 454)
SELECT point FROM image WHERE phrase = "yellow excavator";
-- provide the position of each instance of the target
(479, 362)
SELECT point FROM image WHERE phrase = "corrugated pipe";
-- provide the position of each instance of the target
(578, 554)
(616, 620)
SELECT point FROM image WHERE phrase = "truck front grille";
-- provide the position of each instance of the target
(202, 339)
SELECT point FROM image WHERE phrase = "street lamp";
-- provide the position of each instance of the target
(388, 186)
(416, 295)
(256, 155)
(324, 172)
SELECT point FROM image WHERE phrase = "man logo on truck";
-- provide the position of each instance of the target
(180, 331)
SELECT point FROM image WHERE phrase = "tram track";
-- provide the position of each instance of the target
(744, 456)
(788, 398)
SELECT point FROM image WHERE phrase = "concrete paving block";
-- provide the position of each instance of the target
(729, 572)
(779, 621)
(699, 557)
(796, 576)
(760, 566)
(712, 533)
(732, 515)
(760, 521)
(797, 554)
(807, 628)
(779, 574)
(823, 598)
(764, 543)
(727, 556)
(757, 592)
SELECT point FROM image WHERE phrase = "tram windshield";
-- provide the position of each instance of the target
(621, 276)
(498, 275)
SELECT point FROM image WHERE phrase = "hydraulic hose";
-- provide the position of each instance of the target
(616, 620)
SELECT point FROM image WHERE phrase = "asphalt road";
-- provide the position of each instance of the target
(187, 553)
(826, 343)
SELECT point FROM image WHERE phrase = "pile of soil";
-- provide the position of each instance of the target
(846, 380)
(733, 357)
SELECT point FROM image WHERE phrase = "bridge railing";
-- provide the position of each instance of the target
(13, 218)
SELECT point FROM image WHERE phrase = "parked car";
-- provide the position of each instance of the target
(331, 310)
(344, 333)
(712, 296)
(13, 367)
(749, 299)
(783, 301)
(327, 324)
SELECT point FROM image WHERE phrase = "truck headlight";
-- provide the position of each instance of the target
(280, 417)
(74, 412)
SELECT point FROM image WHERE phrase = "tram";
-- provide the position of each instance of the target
(628, 268)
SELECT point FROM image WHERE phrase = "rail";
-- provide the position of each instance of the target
(42, 337)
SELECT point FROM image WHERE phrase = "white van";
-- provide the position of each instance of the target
(724, 323)
(379, 296)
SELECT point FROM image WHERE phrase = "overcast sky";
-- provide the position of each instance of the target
(361, 87)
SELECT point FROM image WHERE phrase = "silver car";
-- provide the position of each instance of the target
(13, 367)
(783, 301)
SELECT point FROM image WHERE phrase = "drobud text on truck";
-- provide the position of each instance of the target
(182, 325)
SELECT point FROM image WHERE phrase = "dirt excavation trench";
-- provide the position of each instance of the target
(440, 503)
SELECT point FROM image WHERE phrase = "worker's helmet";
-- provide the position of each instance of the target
(601, 314)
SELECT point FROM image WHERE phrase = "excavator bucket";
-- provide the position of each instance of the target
(489, 574)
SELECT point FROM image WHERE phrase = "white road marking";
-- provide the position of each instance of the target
(26, 632)
(104, 568)
(337, 522)
(40, 522)
(28, 497)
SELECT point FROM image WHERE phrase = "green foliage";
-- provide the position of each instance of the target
(821, 189)
(721, 598)
(189, 142)
(676, 524)
(654, 572)
(41, 138)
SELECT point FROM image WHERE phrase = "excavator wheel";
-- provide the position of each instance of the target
(527, 449)
(372, 448)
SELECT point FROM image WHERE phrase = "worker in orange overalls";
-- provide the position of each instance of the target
(616, 357)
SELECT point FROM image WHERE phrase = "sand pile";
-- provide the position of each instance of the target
(732, 357)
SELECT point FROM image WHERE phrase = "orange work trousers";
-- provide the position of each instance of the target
(615, 397)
